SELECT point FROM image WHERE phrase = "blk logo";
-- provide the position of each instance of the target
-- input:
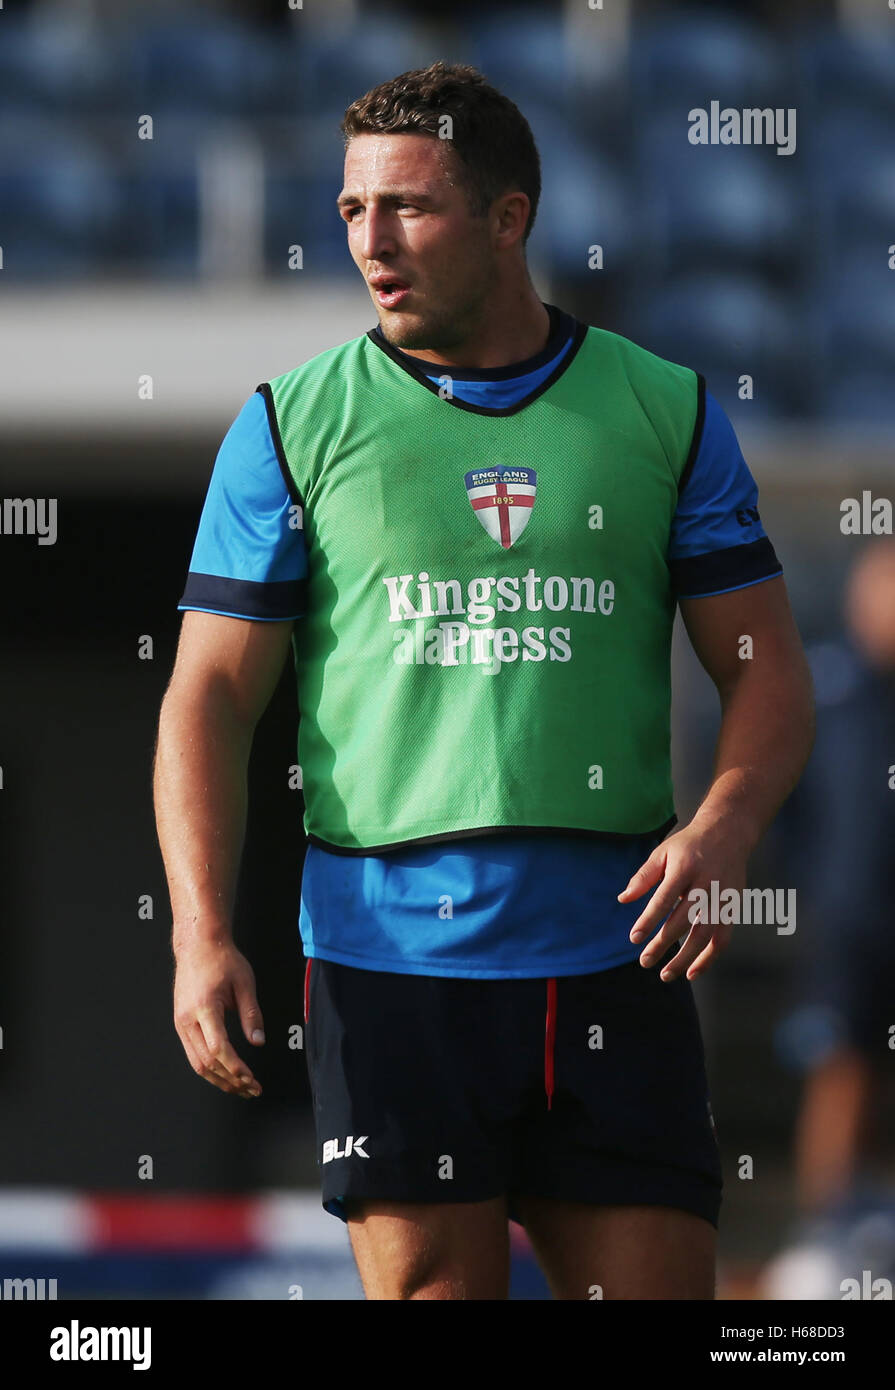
(331, 1148)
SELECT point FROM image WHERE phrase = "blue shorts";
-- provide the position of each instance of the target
(586, 1088)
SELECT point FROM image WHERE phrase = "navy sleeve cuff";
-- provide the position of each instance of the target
(719, 571)
(275, 601)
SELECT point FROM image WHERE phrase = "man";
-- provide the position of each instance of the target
(838, 1030)
(841, 1028)
(499, 506)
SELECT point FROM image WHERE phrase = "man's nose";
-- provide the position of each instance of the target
(377, 237)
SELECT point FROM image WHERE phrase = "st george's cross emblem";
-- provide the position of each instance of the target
(502, 498)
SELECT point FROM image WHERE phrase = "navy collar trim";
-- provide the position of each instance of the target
(562, 328)
(413, 367)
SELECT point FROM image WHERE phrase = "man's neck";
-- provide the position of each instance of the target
(500, 342)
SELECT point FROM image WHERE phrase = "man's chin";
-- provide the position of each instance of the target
(403, 329)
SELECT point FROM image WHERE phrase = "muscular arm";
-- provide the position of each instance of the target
(767, 729)
(224, 675)
(767, 724)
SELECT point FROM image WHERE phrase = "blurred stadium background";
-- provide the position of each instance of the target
(125, 258)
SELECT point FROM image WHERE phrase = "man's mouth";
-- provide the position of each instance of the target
(390, 293)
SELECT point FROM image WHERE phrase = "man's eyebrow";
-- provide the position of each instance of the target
(397, 195)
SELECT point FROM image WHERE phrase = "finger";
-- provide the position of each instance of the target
(663, 901)
(676, 926)
(697, 949)
(204, 1066)
(192, 1056)
(695, 943)
(211, 1067)
(647, 876)
(679, 879)
(224, 1063)
(237, 1071)
(706, 957)
(210, 1019)
(250, 1014)
(190, 1051)
(218, 1045)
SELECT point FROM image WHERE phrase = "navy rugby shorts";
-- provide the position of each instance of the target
(585, 1088)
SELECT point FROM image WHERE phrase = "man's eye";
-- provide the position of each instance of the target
(348, 213)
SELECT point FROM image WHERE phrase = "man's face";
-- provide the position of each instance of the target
(408, 220)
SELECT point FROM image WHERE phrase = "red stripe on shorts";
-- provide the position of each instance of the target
(550, 1041)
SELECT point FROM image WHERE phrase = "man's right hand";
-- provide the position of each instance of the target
(212, 977)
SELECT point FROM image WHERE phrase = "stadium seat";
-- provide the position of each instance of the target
(860, 396)
(726, 326)
(60, 202)
(858, 305)
(714, 206)
(696, 56)
(852, 173)
(193, 65)
(583, 203)
(853, 312)
(850, 70)
(162, 183)
(527, 57)
(302, 211)
(51, 64)
(328, 67)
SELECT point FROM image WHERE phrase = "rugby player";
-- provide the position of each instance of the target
(474, 524)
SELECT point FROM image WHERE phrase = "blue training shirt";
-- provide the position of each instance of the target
(519, 905)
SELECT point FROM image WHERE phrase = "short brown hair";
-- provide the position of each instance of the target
(490, 136)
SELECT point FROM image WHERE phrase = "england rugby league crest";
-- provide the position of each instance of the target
(502, 498)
